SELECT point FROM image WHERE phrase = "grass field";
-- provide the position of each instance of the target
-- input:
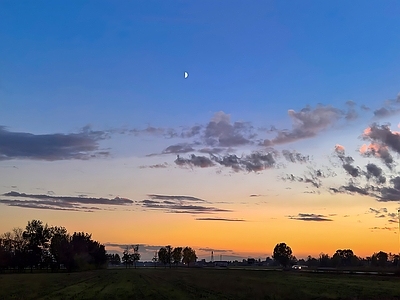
(194, 283)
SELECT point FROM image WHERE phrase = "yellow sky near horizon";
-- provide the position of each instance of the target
(265, 225)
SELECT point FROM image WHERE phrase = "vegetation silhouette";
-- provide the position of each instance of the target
(40, 246)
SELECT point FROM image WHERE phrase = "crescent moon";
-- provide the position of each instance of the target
(186, 75)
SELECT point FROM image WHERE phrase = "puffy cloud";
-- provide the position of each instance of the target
(221, 132)
(375, 172)
(51, 147)
(191, 132)
(383, 136)
(307, 123)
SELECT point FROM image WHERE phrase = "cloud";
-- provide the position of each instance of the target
(294, 156)
(381, 138)
(194, 161)
(191, 132)
(383, 228)
(214, 250)
(179, 148)
(379, 151)
(51, 147)
(313, 176)
(220, 219)
(310, 217)
(221, 132)
(175, 198)
(254, 162)
(46, 205)
(307, 123)
(385, 112)
(347, 161)
(156, 166)
(352, 189)
(60, 202)
(375, 172)
(156, 131)
(178, 204)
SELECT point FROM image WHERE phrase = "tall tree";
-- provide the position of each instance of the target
(189, 256)
(126, 257)
(58, 243)
(282, 254)
(163, 256)
(169, 254)
(155, 259)
(177, 255)
(38, 237)
(135, 255)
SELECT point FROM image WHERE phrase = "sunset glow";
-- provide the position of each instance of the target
(283, 132)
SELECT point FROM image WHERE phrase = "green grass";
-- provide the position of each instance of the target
(194, 283)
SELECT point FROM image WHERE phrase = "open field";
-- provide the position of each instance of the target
(194, 283)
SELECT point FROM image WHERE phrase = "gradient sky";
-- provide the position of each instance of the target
(284, 131)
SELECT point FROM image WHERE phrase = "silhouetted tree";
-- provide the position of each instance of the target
(344, 257)
(163, 256)
(126, 257)
(177, 255)
(169, 254)
(380, 258)
(189, 256)
(38, 237)
(135, 255)
(114, 259)
(155, 259)
(324, 260)
(58, 243)
(282, 254)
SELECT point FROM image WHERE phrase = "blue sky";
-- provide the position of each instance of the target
(93, 101)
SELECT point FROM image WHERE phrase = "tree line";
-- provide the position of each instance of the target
(168, 255)
(40, 246)
(282, 254)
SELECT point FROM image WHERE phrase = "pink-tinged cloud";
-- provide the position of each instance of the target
(339, 148)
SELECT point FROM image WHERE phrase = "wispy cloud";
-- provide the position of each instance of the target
(254, 162)
(220, 219)
(179, 204)
(310, 217)
(51, 147)
(194, 161)
(156, 166)
(60, 202)
(214, 250)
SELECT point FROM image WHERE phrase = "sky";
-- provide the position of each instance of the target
(286, 129)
